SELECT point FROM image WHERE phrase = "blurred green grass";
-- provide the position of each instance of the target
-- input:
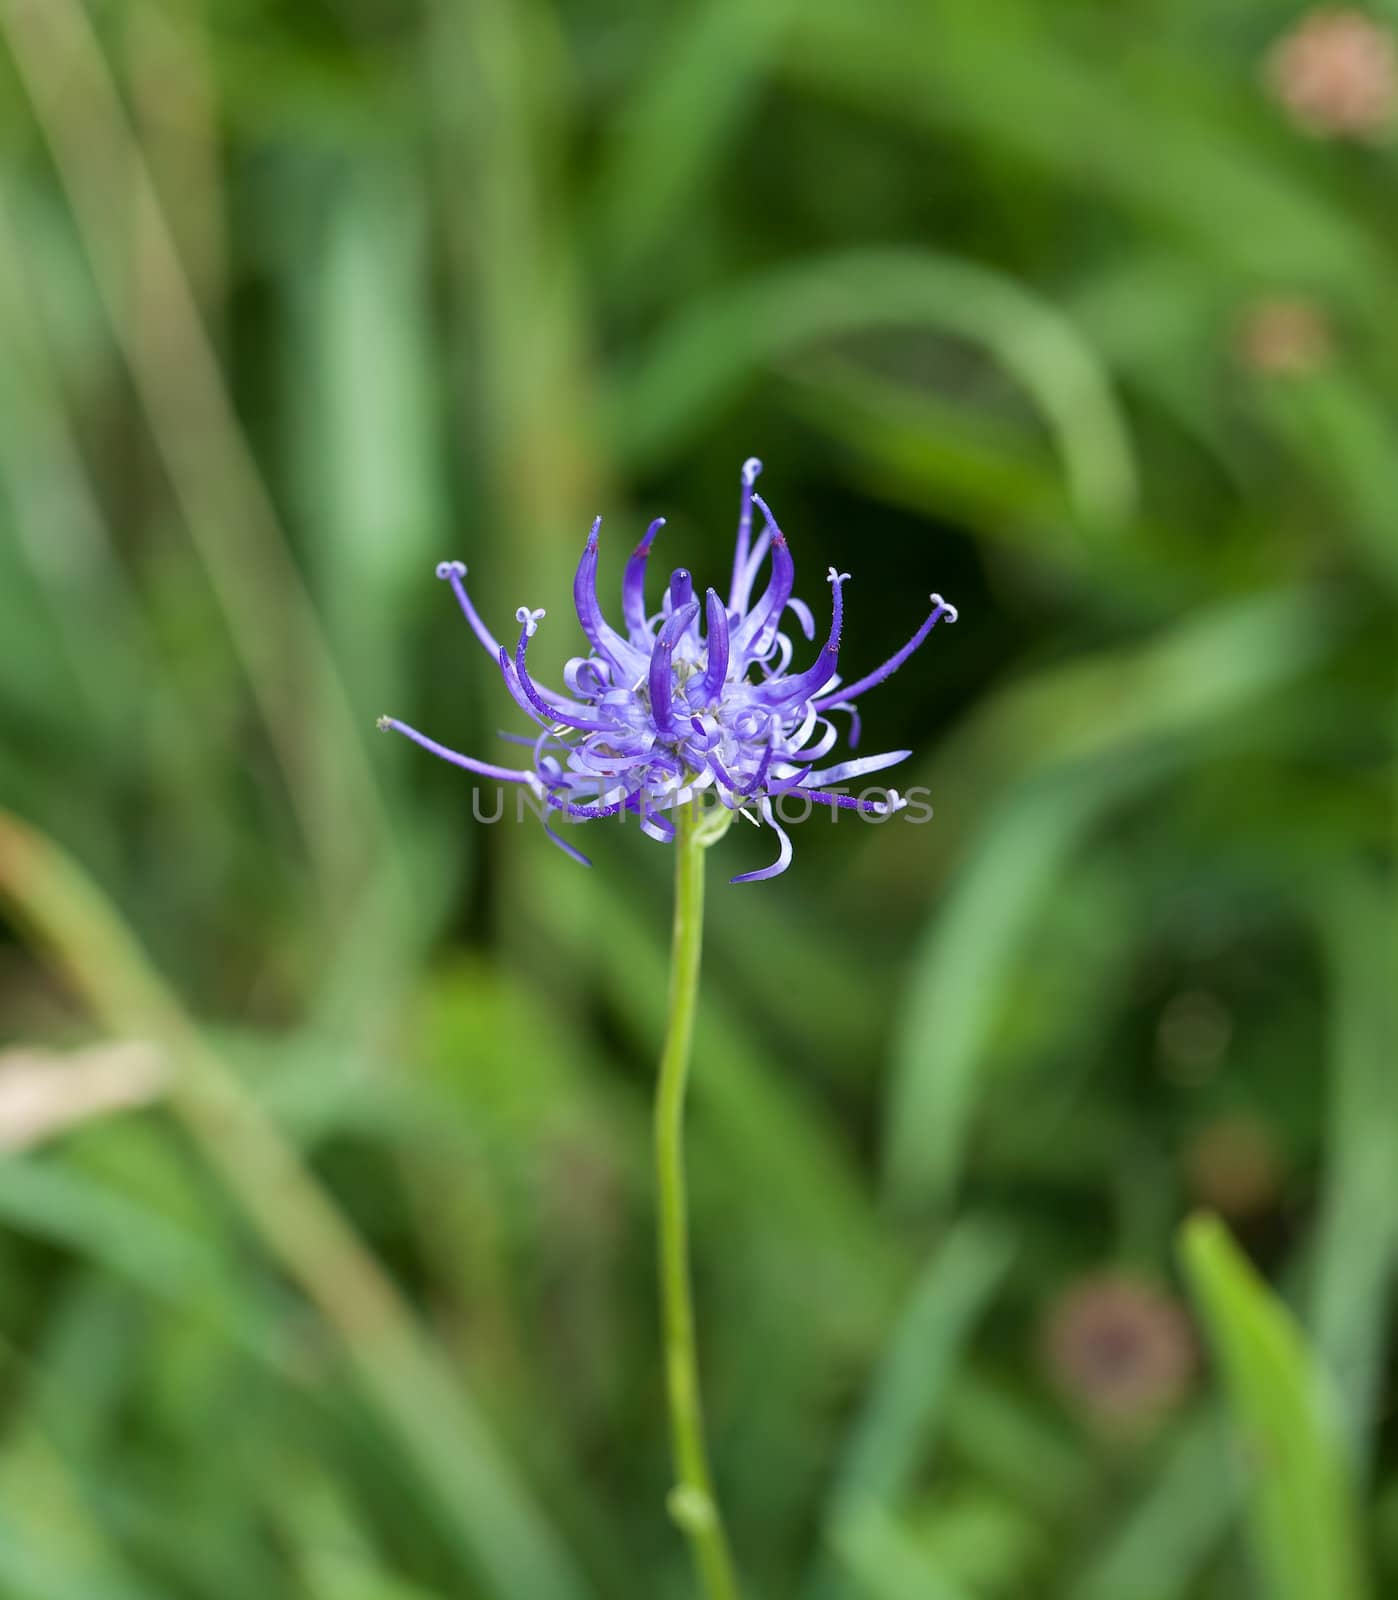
(1054, 309)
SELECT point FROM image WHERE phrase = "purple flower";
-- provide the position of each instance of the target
(696, 699)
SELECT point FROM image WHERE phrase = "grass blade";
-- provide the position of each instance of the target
(498, 1529)
(1357, 1236)
(711, 349)
(909, 1391)
(1300, 1498)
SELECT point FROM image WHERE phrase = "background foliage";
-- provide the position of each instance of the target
(1069, 312)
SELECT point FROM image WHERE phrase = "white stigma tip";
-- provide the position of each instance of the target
(948, 611)
(895, 802)
(384, 724)
(837, 577)
(530, 620)
(451, 569)
(751, 467)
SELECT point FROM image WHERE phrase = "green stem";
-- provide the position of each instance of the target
(692, 1502)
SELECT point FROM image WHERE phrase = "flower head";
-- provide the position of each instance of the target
(696, 699)
(1285, 336)
(1336, 74)
(1121, 1350)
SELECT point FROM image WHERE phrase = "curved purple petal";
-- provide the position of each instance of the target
(633, 585)
(820, 749)
(848, 802)
(717, 673)
(767, 612)
(846, 693)
(742, 576)
(454, 573)
(860, 767)
(803, 615)
(485, 769)
(571, 715)
(605, 640)
(760, 546)
(656, 826)
(565, 847)
(661, 673)
(783, 860)
(748, 786)
(529, 707)
(785, 691)
(591, 812)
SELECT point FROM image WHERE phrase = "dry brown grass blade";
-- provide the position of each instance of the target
(47, 1092)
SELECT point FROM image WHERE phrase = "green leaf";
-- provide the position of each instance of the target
(1157, 1548)
(1082, 739)
(1356, 1247)
(888, 1563)
(908, 1396)
(712, 348)
(1301, 1504)
(683, 114)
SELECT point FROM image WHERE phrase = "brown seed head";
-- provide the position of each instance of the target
(1336, 74)
(1121, 1351)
